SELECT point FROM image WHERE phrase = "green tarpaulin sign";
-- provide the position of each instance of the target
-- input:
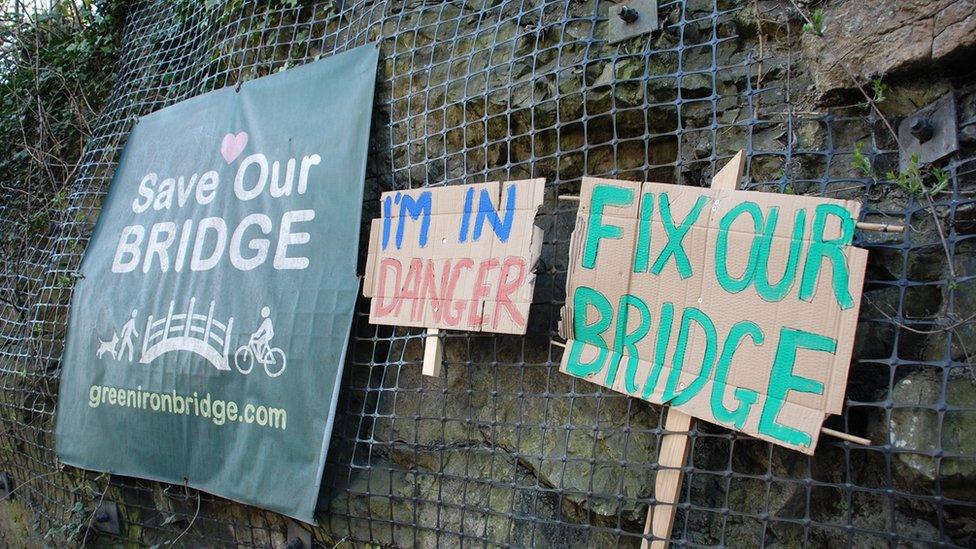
(208, 331)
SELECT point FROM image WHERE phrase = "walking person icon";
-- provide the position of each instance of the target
(128, 330)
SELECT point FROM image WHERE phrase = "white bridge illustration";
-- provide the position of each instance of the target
(197, 333)
(188, 331)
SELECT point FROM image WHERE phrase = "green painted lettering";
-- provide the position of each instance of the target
(643, 251)
(603, 195)
(697, 316)
(832, 250)
(661, 348)
(676, 234)
(583, 299)
(782, 381)
(728, 283)
(776, 292)
(628, 341)
(746, 397)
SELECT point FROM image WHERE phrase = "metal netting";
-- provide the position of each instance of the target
(503, 449)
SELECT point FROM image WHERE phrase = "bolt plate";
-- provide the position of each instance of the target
(944, 141)
(646, 20)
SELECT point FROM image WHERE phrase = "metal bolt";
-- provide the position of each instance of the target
(921, 128)
(628, 14)
(102, 517)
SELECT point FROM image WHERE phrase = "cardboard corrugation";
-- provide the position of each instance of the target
(750, 367)
(524, 240)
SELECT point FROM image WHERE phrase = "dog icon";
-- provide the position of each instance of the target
(108, 347)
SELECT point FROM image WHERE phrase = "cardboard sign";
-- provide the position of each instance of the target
(457, 257)
(208, 331)
(735, 307)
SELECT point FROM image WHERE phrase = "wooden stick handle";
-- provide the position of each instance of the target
(880, 227)
(844, 436)
(674, 446)
(673, 452)
(667, 483)
(433, 353)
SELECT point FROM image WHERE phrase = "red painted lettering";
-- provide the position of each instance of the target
(428, 291)
(480, 292)
(506, 287)
(411, 288)
(379, 307)
(452, 318)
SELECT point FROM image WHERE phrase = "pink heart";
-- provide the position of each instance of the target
(232, 146)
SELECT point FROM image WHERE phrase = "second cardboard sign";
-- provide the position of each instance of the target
(455, 257)
(736, 307)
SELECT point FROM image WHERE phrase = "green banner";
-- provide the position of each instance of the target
(208, 330)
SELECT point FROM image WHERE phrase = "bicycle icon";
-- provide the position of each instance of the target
(269, 357)
(259, 350)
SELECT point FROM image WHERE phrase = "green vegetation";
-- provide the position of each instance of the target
(911, 179)
(880, 91)
(56, 71)
(816, 24)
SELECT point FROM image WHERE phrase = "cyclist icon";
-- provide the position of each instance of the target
(259, 349)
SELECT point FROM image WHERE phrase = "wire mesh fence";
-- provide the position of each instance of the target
(503, 449)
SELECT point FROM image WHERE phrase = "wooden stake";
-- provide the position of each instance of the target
(671, 461)
(667, 483)
(674, 446)
(673, 452)
(880, 227)
(844, 436)
(433, 353)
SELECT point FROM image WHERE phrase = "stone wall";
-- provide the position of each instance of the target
(504, 449)
(664, 107)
